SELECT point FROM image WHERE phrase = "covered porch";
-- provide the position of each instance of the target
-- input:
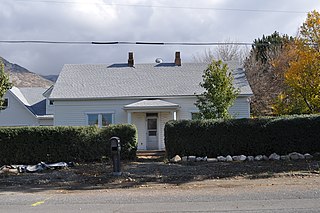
(150, 116)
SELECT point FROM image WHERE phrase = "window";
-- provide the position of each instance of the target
(195, 115)
(100, 119)
(5, 104)
(106, 119)
(93, 119)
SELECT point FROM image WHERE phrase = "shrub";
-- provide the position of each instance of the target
(243, 136)
(28, 145)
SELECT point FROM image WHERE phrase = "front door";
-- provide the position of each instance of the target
(152, 133)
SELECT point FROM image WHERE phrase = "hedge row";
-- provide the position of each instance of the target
(28, 145)
(243, 136)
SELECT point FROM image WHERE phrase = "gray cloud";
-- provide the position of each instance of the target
(98, 22)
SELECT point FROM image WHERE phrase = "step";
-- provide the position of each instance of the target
(150, 153)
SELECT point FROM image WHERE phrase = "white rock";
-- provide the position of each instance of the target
(212, 160)
(184, 158)
(264, 157)
(284, 157)
(274, 156)
(296, 156)
(175, 159)
(308, 156)
(205, 158)
(250, 158)
(198, 159)
(192, 158)
(236, 158)
(221, 158)
(239, 158)
(243, 157)
(258, 157)
(228, 158)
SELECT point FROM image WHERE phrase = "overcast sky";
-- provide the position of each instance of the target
(136, 20)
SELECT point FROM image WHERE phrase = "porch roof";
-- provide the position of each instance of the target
(151, 104)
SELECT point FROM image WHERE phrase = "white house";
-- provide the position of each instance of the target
(147, 95)
(26, 107)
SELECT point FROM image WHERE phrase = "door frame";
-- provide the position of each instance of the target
(158, 127)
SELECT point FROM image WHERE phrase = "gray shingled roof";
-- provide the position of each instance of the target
(32, 98)
(98, 81)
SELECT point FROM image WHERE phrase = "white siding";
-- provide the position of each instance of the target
(49, 108)
(46, 122)
(74, 113)
(16, 114)
(240, 108)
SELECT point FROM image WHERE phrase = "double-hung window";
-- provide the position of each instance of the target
(100, 119)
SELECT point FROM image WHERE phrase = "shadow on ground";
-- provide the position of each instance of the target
(143, 173)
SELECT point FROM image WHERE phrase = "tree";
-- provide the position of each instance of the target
(4, 83)
(219, 92)
(226, 51)
(266, 79)
(302, 75)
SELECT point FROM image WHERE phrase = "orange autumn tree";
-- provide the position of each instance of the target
(302, 75)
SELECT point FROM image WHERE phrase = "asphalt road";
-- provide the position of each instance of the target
(210, 196)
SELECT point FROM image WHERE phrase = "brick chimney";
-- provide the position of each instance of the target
(177, 59)
(130, 59)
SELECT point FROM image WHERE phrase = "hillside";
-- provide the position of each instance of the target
(21, 77)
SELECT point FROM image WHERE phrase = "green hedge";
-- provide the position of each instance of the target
(28, 145)
(243, 136)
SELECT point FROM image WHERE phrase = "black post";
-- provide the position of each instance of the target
(115, 154)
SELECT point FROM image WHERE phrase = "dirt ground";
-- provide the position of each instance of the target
(156, 174)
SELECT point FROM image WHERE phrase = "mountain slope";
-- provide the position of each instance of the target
(21, 77)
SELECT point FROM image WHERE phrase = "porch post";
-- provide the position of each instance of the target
(174, 113)
(129, 117)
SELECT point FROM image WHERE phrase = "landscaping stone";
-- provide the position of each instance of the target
(264, 157)
(192, 158)
(250, 158)
(228, 158)
(239, 158)
(184, 158)
(212, 160)
(296, 156)
(274, 156)
(307, 156)
(258, 158)
(221, 158)
(205, 158)
(284, 157)
(175, 159)
(198, 159)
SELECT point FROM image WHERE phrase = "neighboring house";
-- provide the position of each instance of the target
(147, 95)
(26, 107)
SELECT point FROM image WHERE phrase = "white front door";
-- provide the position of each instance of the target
(152, 133)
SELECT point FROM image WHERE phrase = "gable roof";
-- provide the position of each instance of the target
(32, 98)
(99, 81)
(147, 104)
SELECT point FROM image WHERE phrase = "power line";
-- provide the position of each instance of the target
(125, 43)
(150, 43)
(168, 7)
